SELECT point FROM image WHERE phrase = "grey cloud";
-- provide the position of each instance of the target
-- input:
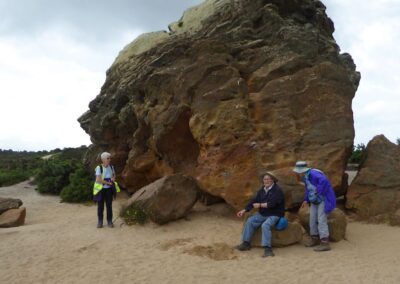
(93, 19)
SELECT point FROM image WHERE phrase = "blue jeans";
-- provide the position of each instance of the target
(254, 222)
(319, 221)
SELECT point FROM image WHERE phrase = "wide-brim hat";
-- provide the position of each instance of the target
(273, 177)
(301, 167)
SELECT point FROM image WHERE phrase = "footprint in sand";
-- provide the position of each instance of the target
(173, 243)
(216, 251)
(88, 247)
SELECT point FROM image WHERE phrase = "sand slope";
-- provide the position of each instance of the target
(60, 244)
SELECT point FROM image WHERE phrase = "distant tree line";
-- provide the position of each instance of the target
(57, 172)
(17, 166)
(357, 153)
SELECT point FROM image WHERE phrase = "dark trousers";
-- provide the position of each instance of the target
(105, 196)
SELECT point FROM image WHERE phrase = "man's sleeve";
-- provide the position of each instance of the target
(253, 200)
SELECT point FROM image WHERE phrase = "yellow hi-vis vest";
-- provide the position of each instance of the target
(97, 187)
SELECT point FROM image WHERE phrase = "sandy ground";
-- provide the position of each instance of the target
(352, 175)
(60, 244)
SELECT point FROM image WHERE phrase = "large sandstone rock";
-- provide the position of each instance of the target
(9, 203)
(337, 223)
(375, 191)
(140, 45)
(291, 235)
(13, 218)
(234, 89)
(395, 218)
(167, 199)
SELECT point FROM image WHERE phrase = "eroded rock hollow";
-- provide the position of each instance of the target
(234, 89)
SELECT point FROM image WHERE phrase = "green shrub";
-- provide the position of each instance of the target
(80, 187)
(133, 215)
(357, 153)
(53, 175)
(12, 177)
(17, 166)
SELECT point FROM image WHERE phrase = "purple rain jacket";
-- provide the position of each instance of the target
(324, 189)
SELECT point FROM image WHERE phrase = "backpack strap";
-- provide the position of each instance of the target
(97, 187)
(102, 171)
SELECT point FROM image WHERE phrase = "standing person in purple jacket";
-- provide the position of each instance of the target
(270, 203)
(319, 195)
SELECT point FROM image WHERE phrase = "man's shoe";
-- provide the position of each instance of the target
(323, 246)
(110, 225)
(244, 246)
(268, 252)
(312, 242)
(100, 225)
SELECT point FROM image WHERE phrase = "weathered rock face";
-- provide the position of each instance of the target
(9, 203)
(375, 191)
(337, 223)
(13, 218)
(395, 218)
(167, 199)
(234, 89)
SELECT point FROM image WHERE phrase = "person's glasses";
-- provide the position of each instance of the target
(108, 158)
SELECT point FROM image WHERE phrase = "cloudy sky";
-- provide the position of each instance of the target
(54, 54)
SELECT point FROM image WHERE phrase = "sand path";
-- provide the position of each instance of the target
(60, 244)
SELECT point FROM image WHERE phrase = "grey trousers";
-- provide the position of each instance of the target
(319, 221)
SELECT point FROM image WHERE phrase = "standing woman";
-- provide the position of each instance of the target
(103, 190)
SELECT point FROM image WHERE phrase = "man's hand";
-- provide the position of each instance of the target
(305, 203)
(263, 205)
(241, 213)
(256, 205)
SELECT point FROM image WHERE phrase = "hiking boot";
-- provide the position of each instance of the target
(312, 242)
(110, 225)
(244, 246)
(268, 252)
(323, 246)
(100, 224)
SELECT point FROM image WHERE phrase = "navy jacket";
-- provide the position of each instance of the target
(275, 200)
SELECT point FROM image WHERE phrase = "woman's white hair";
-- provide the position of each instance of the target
(105, 155)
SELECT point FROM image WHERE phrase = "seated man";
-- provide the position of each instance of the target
(271, 204)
